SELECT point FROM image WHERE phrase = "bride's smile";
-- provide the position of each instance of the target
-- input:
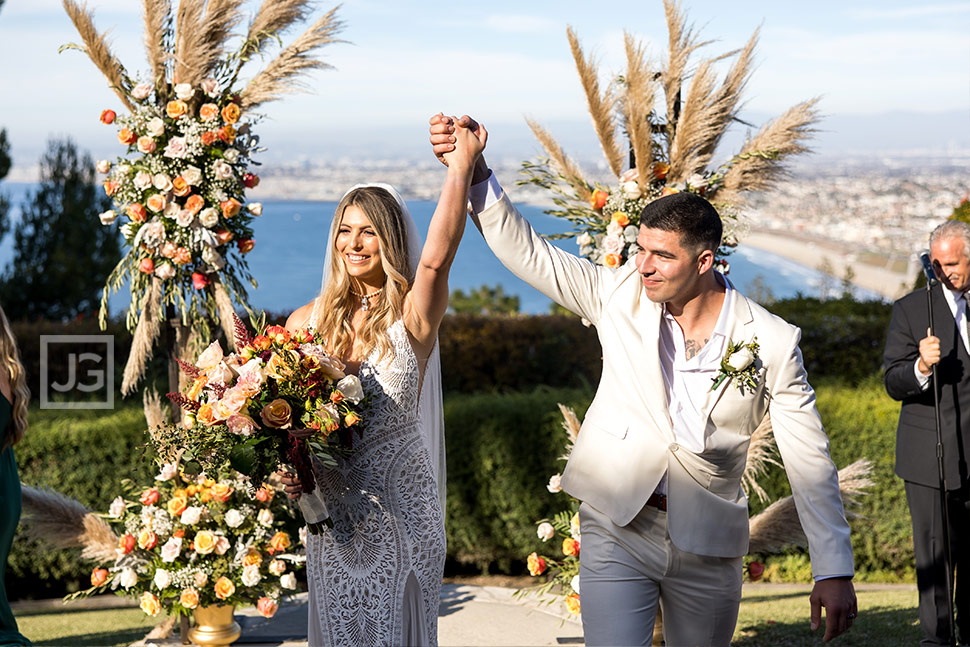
(358, 244)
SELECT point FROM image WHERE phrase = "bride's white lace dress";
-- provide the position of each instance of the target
(375, 577)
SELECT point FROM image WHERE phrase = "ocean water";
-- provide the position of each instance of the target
(290, 236)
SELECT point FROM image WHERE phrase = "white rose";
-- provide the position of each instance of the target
(741, 359)
(301, 533)
(162, 578)
(545, 531)
(234, 518)
(209, 217)
(210, 86)
(156, 127)
(103, 166)
(143, 180)
(165, 271)
(213, 258)
(351, 388)
(192, 175)
(201, 579)
(191, 515)
(117, 508)
(614, 229)
(288, 581)
(128, 577)
(107, 217)
(612, 244)
(168, 472)
(222, 545)
(176, 148)
(574, 583)
(555, 483)
(162, 182)
(141, 91)
(255, 208)
(184, 218)
(184, 91)
(221, 170)
(631, 190)
(584, 240)
(231, 155)
(630, 233)
(265, 517)
(211, 356)
(250, 575)
(277, 567)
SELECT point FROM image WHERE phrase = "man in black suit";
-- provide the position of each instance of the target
(911, 353)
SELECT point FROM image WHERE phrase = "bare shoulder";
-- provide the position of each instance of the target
(300, 317)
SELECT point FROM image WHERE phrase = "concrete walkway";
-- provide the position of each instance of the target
(469, 616)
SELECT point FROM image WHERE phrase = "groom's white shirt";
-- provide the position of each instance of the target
(628, 441)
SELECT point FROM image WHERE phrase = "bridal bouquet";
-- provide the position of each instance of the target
(278, 400)
(189, 541)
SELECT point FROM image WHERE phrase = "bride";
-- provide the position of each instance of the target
(375, 576)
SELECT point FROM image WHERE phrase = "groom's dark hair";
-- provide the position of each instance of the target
(687, 214)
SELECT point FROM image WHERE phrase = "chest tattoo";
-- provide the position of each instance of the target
(693, 346)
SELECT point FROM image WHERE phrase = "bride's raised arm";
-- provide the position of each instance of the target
(427, 301)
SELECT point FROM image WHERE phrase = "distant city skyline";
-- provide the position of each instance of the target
(892, 76)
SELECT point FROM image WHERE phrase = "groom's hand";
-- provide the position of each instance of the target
(442, 137)
(837, 595)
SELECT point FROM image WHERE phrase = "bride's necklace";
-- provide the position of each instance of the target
(364, 304)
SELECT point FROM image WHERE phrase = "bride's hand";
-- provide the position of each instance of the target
(470, 138)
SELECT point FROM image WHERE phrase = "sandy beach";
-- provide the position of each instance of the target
(890, 277)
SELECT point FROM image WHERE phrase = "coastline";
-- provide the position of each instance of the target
(890, 277)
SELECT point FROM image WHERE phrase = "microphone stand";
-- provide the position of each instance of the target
(947, 557)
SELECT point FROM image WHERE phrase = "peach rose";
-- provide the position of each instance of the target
(204, 542)
(127, 137)
(351, 419)
(189, 598)
(197, 387)
(145, 144)
(136, 211)
(177, 505)
(126, 543)
(110, 187)
(180, 187)
(99, 576)
(598, 199)
(147, 266)
(277, 414)
(659, 170)
(572, 603)
(536, 564)
(230, 207)
(264, 494)
(245, 245)
(221, 491)
(227, 134)
(176, 109)
(147, 539)
(668, 191)
(208, 111)
(266, 607)
(149, 496)
(252, 558)
(621, 218)
(205, 415)
(570, 547)
(149, 603)
(231, 113)
(182, 256)
(194, 203)
(223, 236)
(209, 137)
(612, 260)
(224, 588)
(279, 541)
(108, 116)
(156, 202)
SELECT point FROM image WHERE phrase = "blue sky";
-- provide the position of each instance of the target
(503, 60)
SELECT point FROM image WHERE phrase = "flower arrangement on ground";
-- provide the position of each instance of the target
(277, 400)
(189, 541)
(187, 144)
(668, 152)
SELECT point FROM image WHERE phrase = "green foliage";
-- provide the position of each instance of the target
(62, 252)
(484, 301)
(84, 455)
(962, 211)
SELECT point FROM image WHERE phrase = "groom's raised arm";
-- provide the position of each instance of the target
(572, 282)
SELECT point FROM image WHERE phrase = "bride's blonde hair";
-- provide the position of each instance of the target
(336, 301)
(10, 361)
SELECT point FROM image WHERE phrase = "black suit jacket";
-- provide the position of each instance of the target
(916, 433)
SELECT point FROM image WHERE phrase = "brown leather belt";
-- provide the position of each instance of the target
(658, 501)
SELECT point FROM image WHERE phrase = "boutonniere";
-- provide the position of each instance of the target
(738, 363)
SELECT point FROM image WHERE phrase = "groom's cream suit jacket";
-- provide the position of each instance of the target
(627, 443)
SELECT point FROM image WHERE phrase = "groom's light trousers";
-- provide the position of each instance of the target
(625, 571)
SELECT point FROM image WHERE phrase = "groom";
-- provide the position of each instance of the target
(660, 456)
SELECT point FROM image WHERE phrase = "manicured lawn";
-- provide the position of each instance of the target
(85, 627)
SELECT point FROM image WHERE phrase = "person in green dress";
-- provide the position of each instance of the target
(14, 397)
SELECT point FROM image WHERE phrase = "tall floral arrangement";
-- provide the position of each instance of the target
(186, 143)
(672, 130)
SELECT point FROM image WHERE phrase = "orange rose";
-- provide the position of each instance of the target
(279, 541)
(351, 419)
(267, 607)
(277, 414)
(252, 558)
(189, 598)
(612, 260)
(245, 245)
(177, 505)
(336, 397)
(126, 543)
(194, 203)
(176, 109)
(156, 202)
(572, 603)
(621, 218)
(149, 496)
(209, 137)
(227, 134)
(147, 266)
(230, 207)
(598, 199)
(179, 533)
(147, 539)
(668, 191)
(659, 170)
(221, 492)
(279, 334)
(107, 116)
(99, 576)
(230, 113)
(265, 494)
(182, 256)
(127, 137)
(205, 542)
(136, 211)
(570, 547)
(150, 604)
(146, 144)
(205, 415)
(224, 588)
(180, 187)
(223, 236)
(110, 187)
(192, 489)
(537, 565)
(208, 111)
(195, 392)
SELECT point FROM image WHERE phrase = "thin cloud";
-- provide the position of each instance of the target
(894, 13)
(521, 24)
